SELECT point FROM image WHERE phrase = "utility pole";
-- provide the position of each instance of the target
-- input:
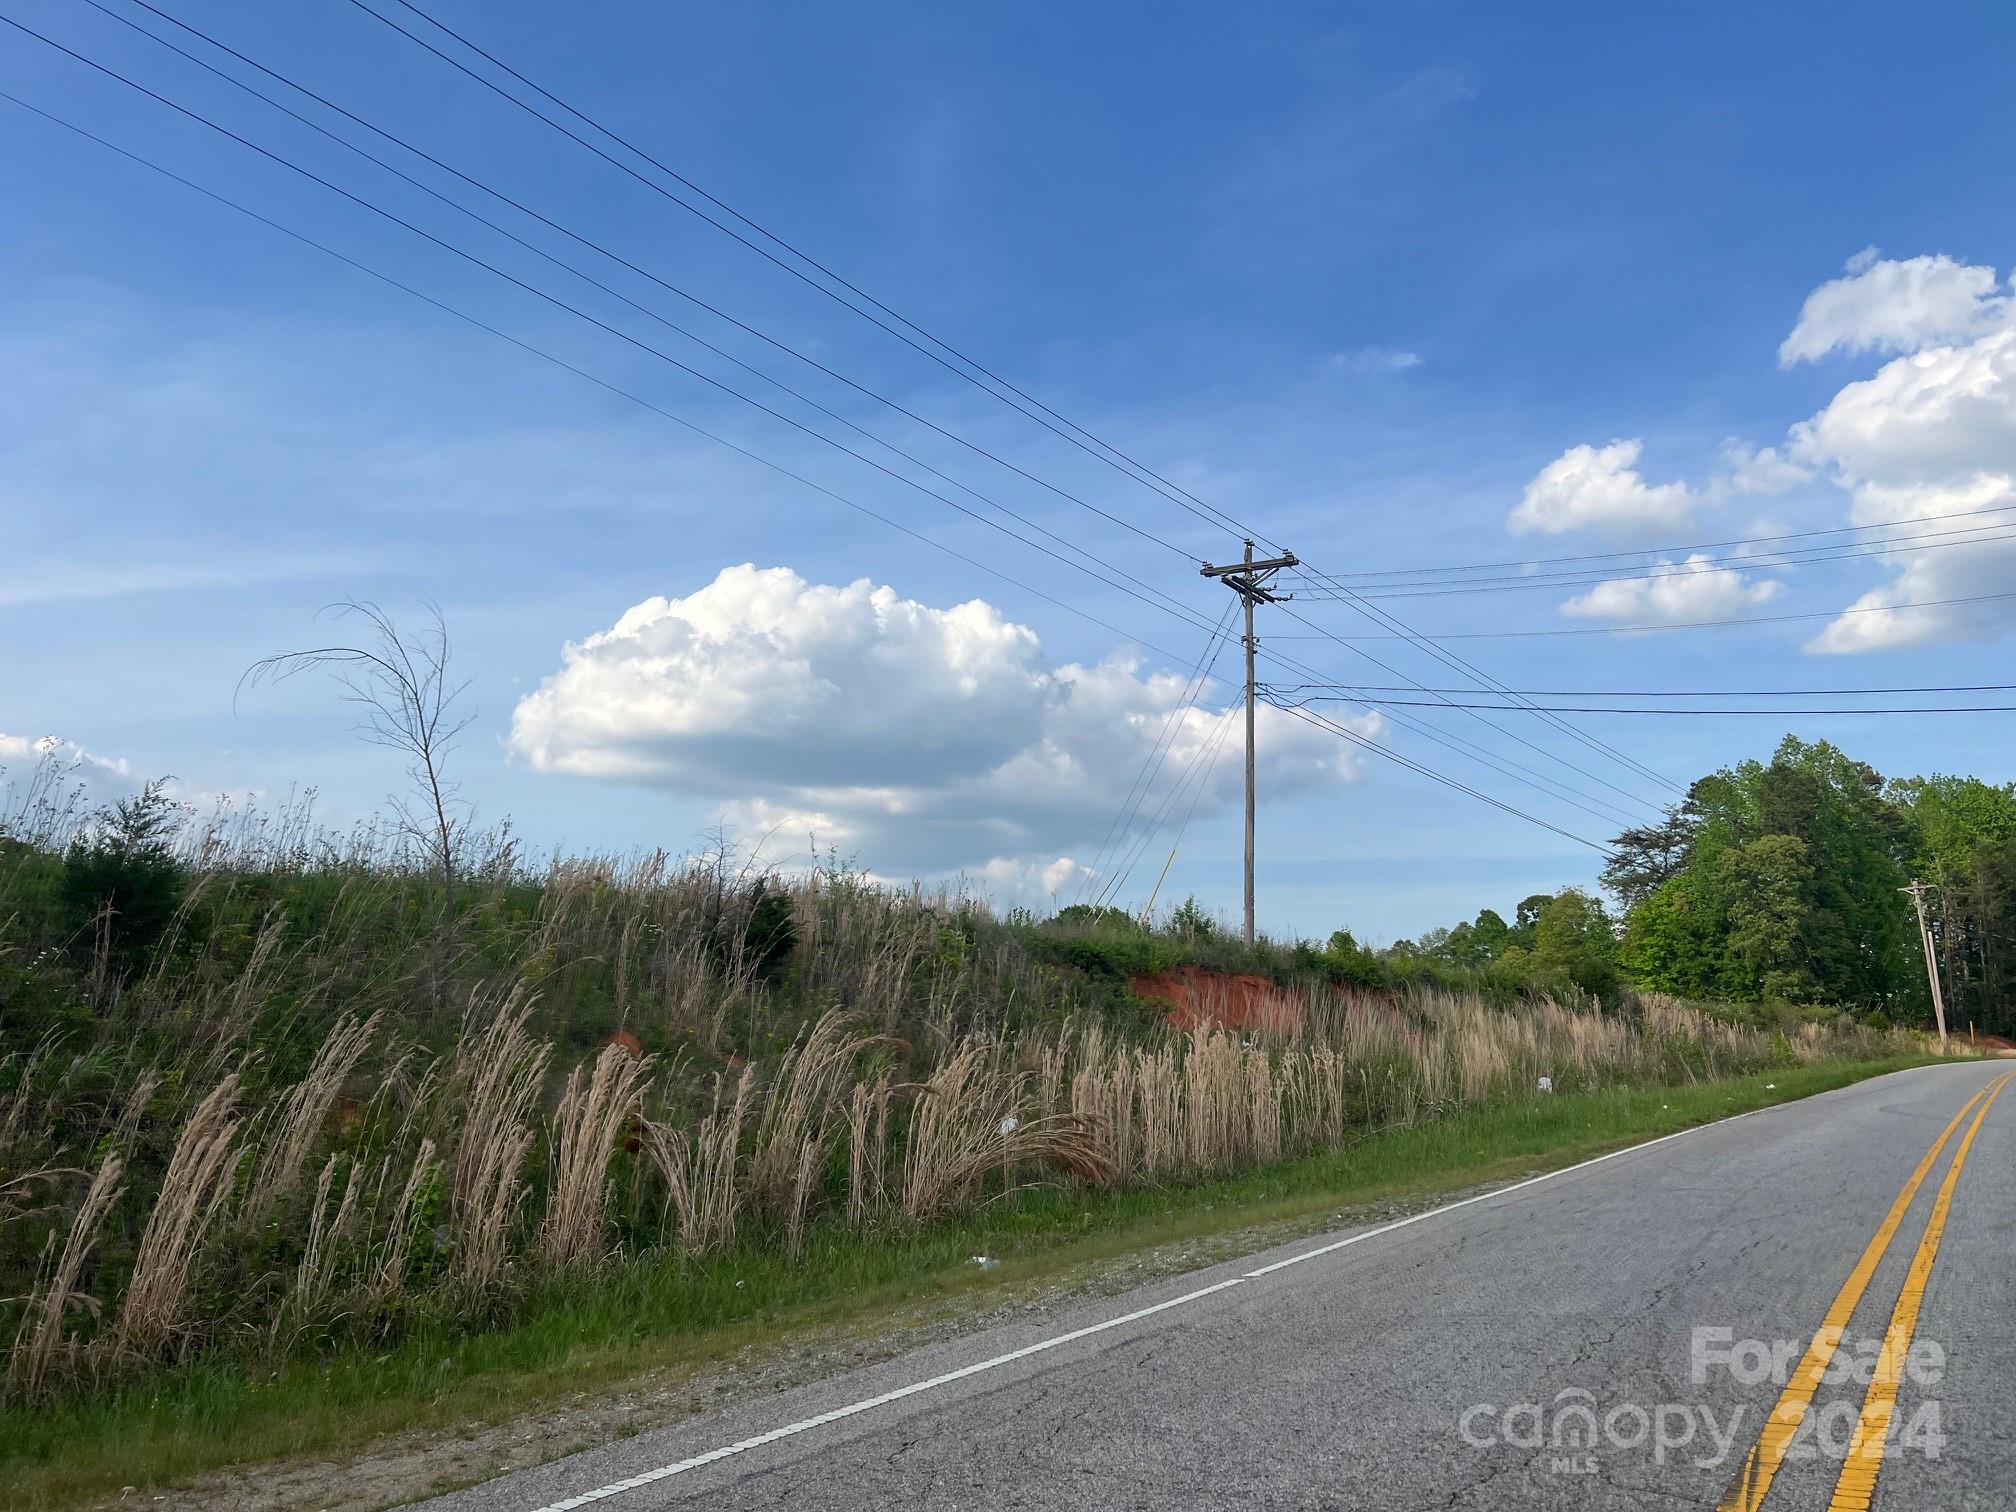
(1917, 892)
(1247, 579)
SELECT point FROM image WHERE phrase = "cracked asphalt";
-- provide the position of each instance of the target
(1442, 1364)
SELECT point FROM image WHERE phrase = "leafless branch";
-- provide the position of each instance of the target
(400, 683)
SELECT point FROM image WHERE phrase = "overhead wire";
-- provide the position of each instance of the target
(1554, 756)
(1551, 790)
(536, 351)
(1447, 569)
(1013, 397)
(1195, 779)
(1657, 628)
(1970, 536)
(600, 249)
(560, 362)
(1342, 732)
(1155, 598)
(1489, 683)
(1143, 474)
(1151, 764)
(1361, 688)
(1757, 713)
(1182, 828)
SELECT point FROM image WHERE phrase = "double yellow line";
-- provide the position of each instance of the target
(1856, 1486)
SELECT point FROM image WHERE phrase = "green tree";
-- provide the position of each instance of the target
(1767, 885)
(1645, 858)
(1191, 922)
(1527, 914)
(1348, 961)
(1491, 933)
(1963, 840)
(1573, 939)
(1673, 939)
(1821, 919)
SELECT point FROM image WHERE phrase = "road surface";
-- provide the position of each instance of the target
(1637, 1332)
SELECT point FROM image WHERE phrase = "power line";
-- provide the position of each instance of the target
(1182, 827)
(1450, 659)
(1790, 557)
(1205, 512)
(1342, 732)
(1194, 779)
(1159, 601)
(618, 294)
(1713, 693)
(1608, 709)
(753, 225)
(1977, 536)
(1107, 453)
(1646, 551)
(603, 251)
(1151, 764)
(1552, 790)
(689, 426)
(583, 373)
(1755, 619)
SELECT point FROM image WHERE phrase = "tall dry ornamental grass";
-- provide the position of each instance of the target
(192, 1192)
(703, 1169)
(823, 1134)
(495, 1085)
(43, 1336)
(598, 1103)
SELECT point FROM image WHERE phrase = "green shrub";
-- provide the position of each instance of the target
(122, 883)
(769, 930)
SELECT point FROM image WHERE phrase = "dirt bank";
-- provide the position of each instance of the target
(1203, 999)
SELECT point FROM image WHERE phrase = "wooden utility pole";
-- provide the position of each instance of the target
(1917, 892)
(1247, 579)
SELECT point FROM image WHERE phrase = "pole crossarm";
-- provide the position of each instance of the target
(1248, 578)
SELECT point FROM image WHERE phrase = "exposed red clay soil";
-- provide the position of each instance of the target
(1215, 1000)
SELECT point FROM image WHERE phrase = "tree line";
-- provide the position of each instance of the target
(1780, 883)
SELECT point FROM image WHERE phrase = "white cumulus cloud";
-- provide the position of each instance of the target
(45, 778)
(1761, 469)
(1598, 488)
(1930, 435)
(1675, 593)
(1936, 416)
(1978, 567)
(925, 738)
(62, 764)
(1895, 305)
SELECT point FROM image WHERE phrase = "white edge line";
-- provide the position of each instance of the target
(791, 1430)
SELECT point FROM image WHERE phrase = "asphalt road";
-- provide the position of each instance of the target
(1440, 1363)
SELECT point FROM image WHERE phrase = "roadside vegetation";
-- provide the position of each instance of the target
(1777, 883)
(274, 1101)
(657, 1322)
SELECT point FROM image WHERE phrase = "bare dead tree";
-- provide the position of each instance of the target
(401, 684)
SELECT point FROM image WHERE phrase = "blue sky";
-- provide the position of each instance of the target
(1366, 279)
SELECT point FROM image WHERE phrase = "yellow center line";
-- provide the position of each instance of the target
(1761, 1464)
(1856, 1487)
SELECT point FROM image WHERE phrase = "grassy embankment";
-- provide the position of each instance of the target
(298, 1143)
(655, 1317)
